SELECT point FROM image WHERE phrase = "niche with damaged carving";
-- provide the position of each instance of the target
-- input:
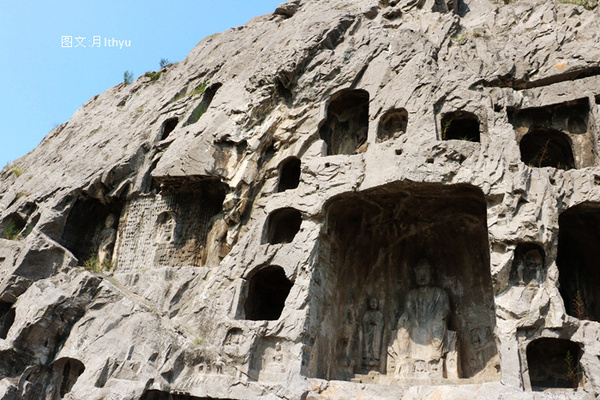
(460, 125)
(577, 260)
(167, 127)
(91, 228)
(346, 126)
(548, 365)
(282, 226)
(392, 124)
(384, 252)
(267, 289)
(556, 135)
(528, 265)
(171, 228)
(289, 174)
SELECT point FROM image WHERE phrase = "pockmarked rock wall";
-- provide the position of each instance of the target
(338, 200)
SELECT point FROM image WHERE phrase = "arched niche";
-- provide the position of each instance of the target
(392, 124)
(267, 289)
(528, 267)
(66, 371)
(167, 127)
(282, 226)
(554, 363)
(289, 174)
(543, 147)
(347, 123)
(577, 260)
(369, 248)
(460, 125)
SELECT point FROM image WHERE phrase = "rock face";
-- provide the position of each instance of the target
(252, 223)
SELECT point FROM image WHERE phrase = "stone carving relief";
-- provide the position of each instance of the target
(107, 239)
(528, 267)
(166, 227)
(422, 346)
(269, 363)
(372, 331)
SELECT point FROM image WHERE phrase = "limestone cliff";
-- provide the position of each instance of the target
(248, 222)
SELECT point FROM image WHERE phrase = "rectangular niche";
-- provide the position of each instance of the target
(366, 276)
(557, 135)
(270, 360)
(577, 260)
(170, 229)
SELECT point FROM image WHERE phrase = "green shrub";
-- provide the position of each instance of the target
(164, 62)
(154, 75)
(17, 170)
(10, 230)
(127, 77)
(587, 4)
(93, 264)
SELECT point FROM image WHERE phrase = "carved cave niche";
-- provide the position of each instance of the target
(460, 125)
(191, 209)
(347, 123)
(542, 147)
(557, 135)
(369, 247)
(392, 124)
(577, 260)
(554, 363)
(65, 372)
(167, 127)
(528, 267)
(282, 226)
(266, 291)
(270, 359)
(7, 318)
(289, 174)
(86, 224)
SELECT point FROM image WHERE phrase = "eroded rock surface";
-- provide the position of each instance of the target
(248, 224)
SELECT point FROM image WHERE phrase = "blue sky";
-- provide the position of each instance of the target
(42, 84)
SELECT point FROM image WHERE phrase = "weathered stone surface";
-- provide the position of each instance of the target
(289, 170)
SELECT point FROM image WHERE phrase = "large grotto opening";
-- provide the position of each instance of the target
(554, 363)
(347, 123)
(460, 125)
(282, 226)
(403, 286)
(267, 289)
(555, 135)
(542, 147)
(91, 227)
(162, 395)
(289, 174)
(577, 260)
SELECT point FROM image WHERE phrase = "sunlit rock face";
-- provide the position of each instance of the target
(382, 200)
